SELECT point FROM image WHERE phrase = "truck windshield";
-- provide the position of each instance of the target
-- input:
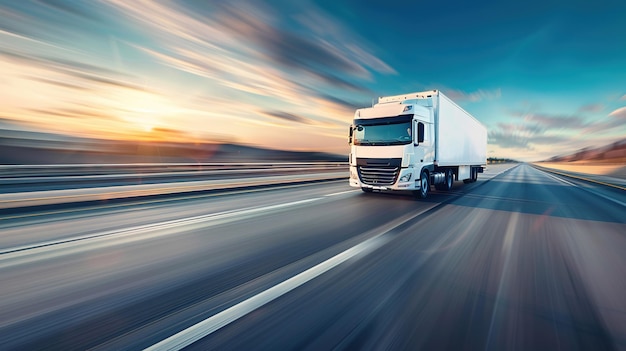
(383, 134)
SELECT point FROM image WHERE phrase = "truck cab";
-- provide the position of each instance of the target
(393, 146)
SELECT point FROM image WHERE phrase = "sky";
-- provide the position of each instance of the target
(545, 77)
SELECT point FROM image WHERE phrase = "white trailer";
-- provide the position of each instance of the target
(410, 142)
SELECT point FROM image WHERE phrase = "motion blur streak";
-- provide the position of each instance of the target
(517, 260)
(208, 326)
(506, 254)
(213, 219)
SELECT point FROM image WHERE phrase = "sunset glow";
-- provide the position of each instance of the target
(289, 75)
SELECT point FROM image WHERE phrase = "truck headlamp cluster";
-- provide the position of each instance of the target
(406, 177)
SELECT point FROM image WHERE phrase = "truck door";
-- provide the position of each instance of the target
(428, 143)
(418, 149)
(423, 141)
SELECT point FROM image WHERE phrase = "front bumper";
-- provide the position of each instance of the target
(400, 183)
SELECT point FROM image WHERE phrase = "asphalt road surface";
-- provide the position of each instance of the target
(521, 259)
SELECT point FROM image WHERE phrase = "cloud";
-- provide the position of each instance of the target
(549, 139)
(293, 60)
(54, 63)
(623, 97)
(620, 113)
(370, 60)
(479, 95)
(254, 48)
(70, 7)
(513, 141)
(549, 134)
(58, 83)
(591, 108)
(337, 82)
(549, 121)
(530, 129)
(78, 113)
(287, 117)
(103, 80)
(69, 67)
(535, 130)
(236, 74)
(317, 50)
(614, 122)
(295, 51)
(549, 124)
(348, 105)
(169, 134)
(10, 123)
(508, 140)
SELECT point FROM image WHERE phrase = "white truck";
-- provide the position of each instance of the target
(410, 142)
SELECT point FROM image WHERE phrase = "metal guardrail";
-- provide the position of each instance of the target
(179, 181)
(173, 164)
(153, 173)
(616, 183)
(65, 196)
(97, 169)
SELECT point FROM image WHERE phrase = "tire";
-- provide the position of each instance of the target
(424, 186)
(447, 186)
(367, 190)
(447, 182)
(473, 176)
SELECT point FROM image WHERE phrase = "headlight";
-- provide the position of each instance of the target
(406, 177)
(353, 174)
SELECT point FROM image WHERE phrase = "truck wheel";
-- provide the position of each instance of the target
(473, 176)
(449, 180)
(424, 186)
(367, 190)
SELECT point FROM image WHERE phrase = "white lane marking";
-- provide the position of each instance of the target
(200, 330)
(187, 197)
(47, 197)
(586, 189)
(5, 253)
(206, 327)
(505, 276)
(560, 180)
(608, 198)
(342, 192)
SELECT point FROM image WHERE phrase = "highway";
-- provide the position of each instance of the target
(521, 259)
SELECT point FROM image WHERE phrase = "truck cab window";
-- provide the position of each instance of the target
(420, 132)
(383, 134)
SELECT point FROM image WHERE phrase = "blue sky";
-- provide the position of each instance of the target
(545, 77)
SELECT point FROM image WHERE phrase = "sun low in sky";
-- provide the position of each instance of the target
(545, 79)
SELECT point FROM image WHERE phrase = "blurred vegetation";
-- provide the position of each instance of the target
(492, 160)
(45, 148)
(612, 153)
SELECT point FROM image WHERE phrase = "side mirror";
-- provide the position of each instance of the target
(420, 133)
(350, 135)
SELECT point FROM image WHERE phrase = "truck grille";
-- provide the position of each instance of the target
(378, 175)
